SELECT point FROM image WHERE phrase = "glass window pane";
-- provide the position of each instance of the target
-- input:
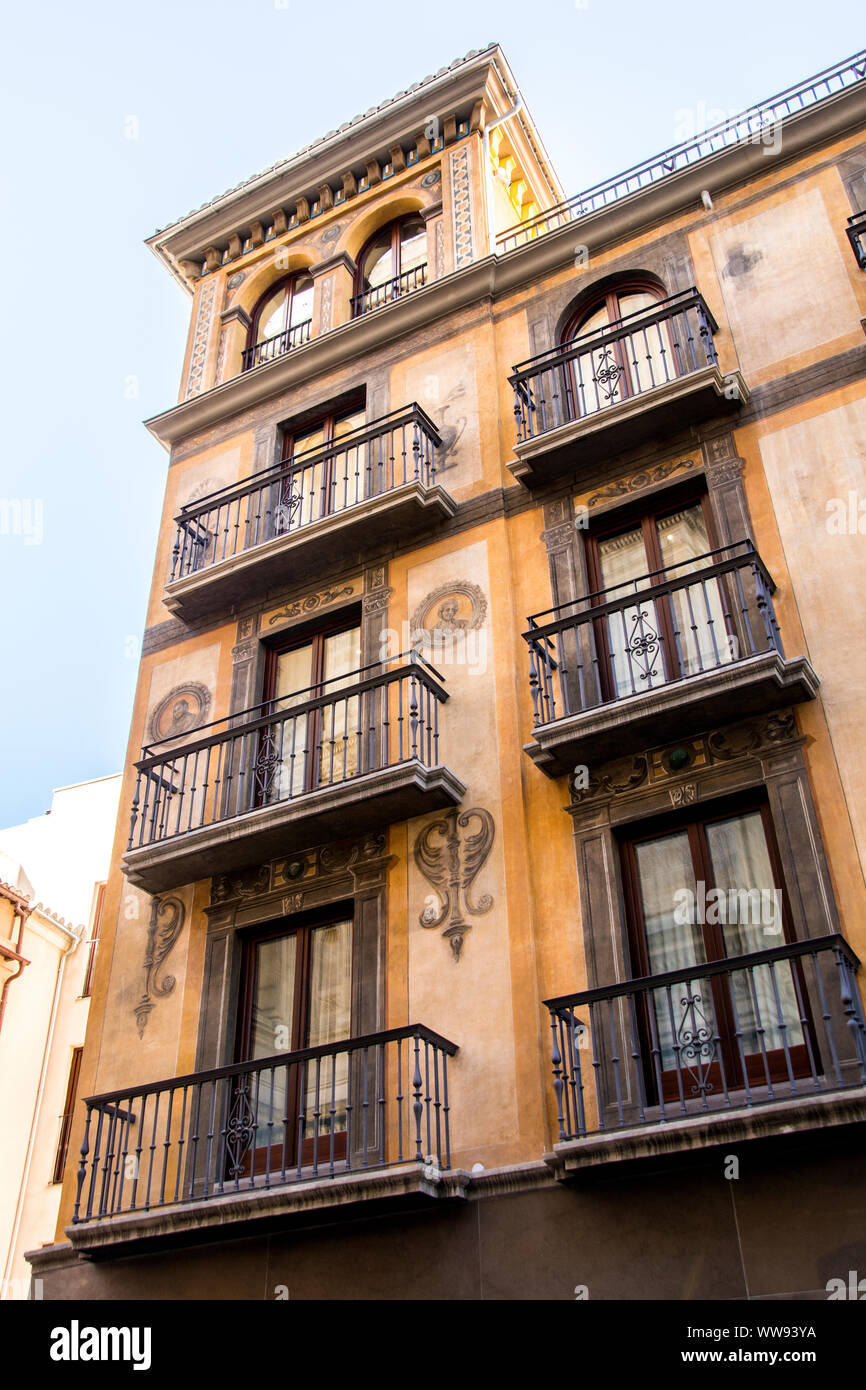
(379, 260)
(684, 1017)
(294, 675)
(340, 748)
(646, 352)
(598, 319)
(632, 301)
(413, 244)
(665, 870)
(330, 984)
(749, 911)
(272, 318)
(327, 1089)
(272, 1024)
(302, 300)
(636, 663)
(344, 424)
(683, 535)
(698, 611)
(593, 380)
(349, 471)
(285, 744)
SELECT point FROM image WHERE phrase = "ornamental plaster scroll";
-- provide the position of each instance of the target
(450, 855)
(166, 923)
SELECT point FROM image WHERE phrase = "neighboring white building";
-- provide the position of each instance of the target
(57, 863)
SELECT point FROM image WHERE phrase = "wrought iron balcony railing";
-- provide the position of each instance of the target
(748, 1030)
(856, 230)
(269, 348)
(394, 288)
(672, 624)
(633, 357)
(286, 749)
(756, 125)
(368, 462)
(347, 1107)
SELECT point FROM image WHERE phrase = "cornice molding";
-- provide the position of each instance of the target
(493, 277)
(483, 77)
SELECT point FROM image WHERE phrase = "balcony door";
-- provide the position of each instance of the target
(704, 891)
(641, 645)
(296, 993)
(320, 478)
(614, 370)
(321, 745)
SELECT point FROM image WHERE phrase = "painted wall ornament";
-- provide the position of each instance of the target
(451, 862)
(185, 707)
(310, 603)
(455, 606)
(451, 427)
(166, 923)
(248, 884)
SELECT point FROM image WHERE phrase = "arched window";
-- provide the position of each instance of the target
(610, 305)
(629, 348)
(281, 319)
(392, 263)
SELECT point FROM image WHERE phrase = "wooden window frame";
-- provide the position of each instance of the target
(68, 1115)
(93, 944)
(695, 821)
(289, 280)
(327, 421)
(302, 925)
(609, 298)
(644, 515)
(343, 621)
(396, 248)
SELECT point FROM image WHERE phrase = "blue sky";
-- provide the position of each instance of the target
(119, 118)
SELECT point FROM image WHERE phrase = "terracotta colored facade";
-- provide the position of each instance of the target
(488, 874)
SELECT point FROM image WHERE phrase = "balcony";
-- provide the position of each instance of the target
(771, 1041)
(269, 348)
(299, 1132)
(665, 656)
(343, 758)
(612, 389)
(395, 288)
(282, 524)
(856, 230)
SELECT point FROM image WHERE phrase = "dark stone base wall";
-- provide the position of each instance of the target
(789, 1223)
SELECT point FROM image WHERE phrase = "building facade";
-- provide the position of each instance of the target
(489, 916)
(54, 869)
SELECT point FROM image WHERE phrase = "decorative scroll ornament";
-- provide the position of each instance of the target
(695, 1043)
(646, 477)
(310, 603)
(452, 865)
(240, 1128)
(166, 923)
(608, 374)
